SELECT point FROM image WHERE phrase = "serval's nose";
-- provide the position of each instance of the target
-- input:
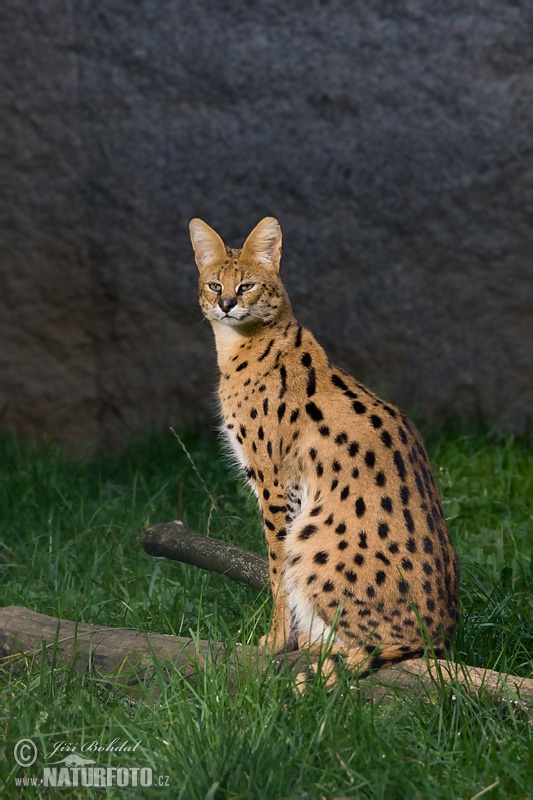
(226, 304)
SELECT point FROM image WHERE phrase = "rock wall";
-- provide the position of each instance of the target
(393, 141)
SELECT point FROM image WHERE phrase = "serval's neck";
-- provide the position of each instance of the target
(233, 341)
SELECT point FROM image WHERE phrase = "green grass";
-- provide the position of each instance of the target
(69, 548)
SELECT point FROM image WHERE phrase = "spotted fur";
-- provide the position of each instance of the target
(359, 552)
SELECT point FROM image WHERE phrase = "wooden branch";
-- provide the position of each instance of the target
(173, 540)
(129, 658)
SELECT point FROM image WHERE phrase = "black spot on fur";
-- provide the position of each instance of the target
(400, 466)
(343, 544)
(386, 504)
(307, 532)
(383, 530)
(311, 382)
(409, 524)
(404, 495)
(267, 351)
(370, 459)
(386, 438)
(314, 412)
(341, 528)
(338, 382)
(419, 485)
(283, 376)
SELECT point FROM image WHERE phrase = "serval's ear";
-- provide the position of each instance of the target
(208, 246)
(263, 245)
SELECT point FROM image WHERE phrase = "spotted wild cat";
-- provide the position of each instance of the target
(359, 553)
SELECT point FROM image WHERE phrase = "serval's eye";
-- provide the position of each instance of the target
(215, 287)
(246, 287)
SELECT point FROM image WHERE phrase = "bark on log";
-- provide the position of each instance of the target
(129, 658)
(173, 540)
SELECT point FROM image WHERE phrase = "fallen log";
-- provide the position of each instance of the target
(127, 656)
(173, 540)
(132, 659)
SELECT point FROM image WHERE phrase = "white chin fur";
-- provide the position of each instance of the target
(229, 319)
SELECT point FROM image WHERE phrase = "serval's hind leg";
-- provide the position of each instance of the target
(324, 658)
(357, 660)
